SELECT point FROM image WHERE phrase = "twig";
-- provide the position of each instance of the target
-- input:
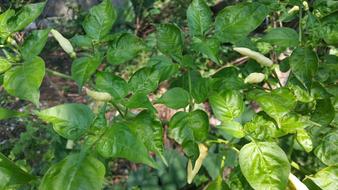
(58, 74)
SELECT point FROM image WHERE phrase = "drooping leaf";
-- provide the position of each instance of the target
(124, 49)
(327, 178)
(264, 165)
(144, 80)
(119, 141)
(34, 43)
(114, 85)
(199, 17)
(304, 64)
(283, 37)
(83, 68)
(25, 79)
(25, 16)
(209, 47)
(175, 98)
(76, 171)
(189, 127)
(100, 20)
(11, 174)
(227, 105)
(170, 40)
(69, 120)
(237, 21)
(327, 151)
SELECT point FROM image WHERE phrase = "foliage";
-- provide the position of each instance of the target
(261, 117)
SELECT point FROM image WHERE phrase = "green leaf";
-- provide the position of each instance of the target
(227, 105)
(232, 128)
(301, 94)
(164, 66)
(170, 41)
(11, 174)
(218, 184)
(100, 20)
(7, 113)
(114, 85)
(324, 112)
(209, 47)
(264, 165)
(237, 21)
(81, 41)
(69, 120)
(76, 171)
(327, 178)
(25, 79)
(4, 64)
(34, 43)
(150, 131)
(304, 64)
(283, 37)
(140, 100)
(124, 49)
(201, 88)
(119, 141)
(189, 126)
(83, 68)
(327, 151)
(276, 104)
(175, 98)
(199, 17)
(304, 139)
(5, 29)
(290, 123)
(25, 16)
(144, 81)
(261, 129)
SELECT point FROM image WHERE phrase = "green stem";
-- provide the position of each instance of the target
(191, 104)
(58, 74)
(300, 24)
(118, 109)
(289, 153)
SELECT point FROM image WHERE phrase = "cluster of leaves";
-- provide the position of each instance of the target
(262, 118)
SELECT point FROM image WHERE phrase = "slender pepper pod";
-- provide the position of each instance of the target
(99, 96)
(192, 172)
(254, 78)
(261, 59)
(296, 183)
(64, 43)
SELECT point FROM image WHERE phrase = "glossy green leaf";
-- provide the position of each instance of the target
(170, 40)
(199, 17)
(144, 80)
(114, 85)
(175, 98)
(25, 16)
(4, 64)
(327, 151)
(304, 139)
(164, 66)
(209, 47)
(227, 105)
(11, 174)
(189, 127)
(100, 20)
(119, 141)
(25, 79)
(7, 113)
(83, 68)
(276, 104)
(261, 129)
(69, 120)
(324, 112)
(283, 37)
(124, 49)
(5, 29)
(150, 131)
(304, 64)
(81, 41)
(140, 100)
(327, 178)
(237, 21)
(232, 128)
(201, 88)
(264, 165)
(34, 43)
(76, 171)
(290, 123)
(301, 94)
